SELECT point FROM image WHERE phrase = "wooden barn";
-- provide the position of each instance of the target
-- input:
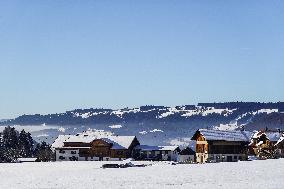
(84, 147)
(219, 146)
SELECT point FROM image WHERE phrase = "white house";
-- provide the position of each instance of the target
(87, 146)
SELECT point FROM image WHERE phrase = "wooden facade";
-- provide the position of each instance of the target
(98, 149)
(261, 146)
(219, 149)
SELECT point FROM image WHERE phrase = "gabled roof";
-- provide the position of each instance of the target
(156, 148)
(272, 136)
(187, 151)
(281, 139)
(243, 136)
(59, 141)
(118, 142)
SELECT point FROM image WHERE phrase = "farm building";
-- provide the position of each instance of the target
(218, 146)
(84, 147)
(186, 155)
(280, 147)
(157, 153)
(263, 144)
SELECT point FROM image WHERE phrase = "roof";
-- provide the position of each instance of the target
(156, 148)
(281, 139)
(243, 136)
(272, 136)
(74, 147)
(27, 159)
(81, 138)
(59, 141)
(119, 142)
(187, 151)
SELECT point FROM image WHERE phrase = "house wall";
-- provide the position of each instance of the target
(100, 148)
(201, 157)
(185, 158)
(226, 157)
(280, 150)
(161, 154)
(201, 149)
(67, 154)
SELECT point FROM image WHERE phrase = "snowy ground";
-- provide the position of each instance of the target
(255, 174)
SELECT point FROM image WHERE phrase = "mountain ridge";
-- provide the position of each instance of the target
(160, 124)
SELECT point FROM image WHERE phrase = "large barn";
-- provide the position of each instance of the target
(218, 146)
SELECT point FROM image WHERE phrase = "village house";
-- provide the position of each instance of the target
(263, 144)
(157, 153)
(280, 147)
(186, 155)
(85, 147)
(219, 146)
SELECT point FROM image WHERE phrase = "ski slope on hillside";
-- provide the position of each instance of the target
(256, 174)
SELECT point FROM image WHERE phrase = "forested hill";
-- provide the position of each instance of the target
(249, 114)
(156, 124)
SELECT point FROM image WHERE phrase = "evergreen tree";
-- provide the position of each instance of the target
(10, 144)
(43, 152)
(25, 144)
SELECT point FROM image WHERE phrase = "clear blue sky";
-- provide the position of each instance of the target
(60, 55)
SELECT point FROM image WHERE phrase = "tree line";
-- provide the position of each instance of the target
(15, 144)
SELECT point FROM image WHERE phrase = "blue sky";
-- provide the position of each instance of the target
(60, 55)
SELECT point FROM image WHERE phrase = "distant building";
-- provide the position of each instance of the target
(157, 153)
(263, 144)
(84, 147)
(280, 147)
(186, 155)
(218, 146)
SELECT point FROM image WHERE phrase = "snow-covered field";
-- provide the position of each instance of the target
(255, 174)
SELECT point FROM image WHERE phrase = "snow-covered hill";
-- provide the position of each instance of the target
(157, 124)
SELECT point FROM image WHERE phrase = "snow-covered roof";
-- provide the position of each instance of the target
(59, 141)
(81, 138)
(226, 135)
(75, 147)
(156, 148)
(280, 140)
(272, 136)
(119, 142)
(27, 159)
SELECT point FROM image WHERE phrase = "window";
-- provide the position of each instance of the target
(166, 152)
(73, 152)
(61, 151)
(61, 157)
(235, 157)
